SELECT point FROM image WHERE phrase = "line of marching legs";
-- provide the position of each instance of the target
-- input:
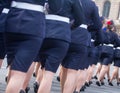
(83, 80)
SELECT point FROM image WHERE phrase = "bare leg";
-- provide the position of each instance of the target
(103, 72)
(90, 73)
(28, 76)
(118, 80)
(63, 75)
(39, 76)
(81, 79)
(69, 84)
(46, 82)
(16, 81)
(8, 75)
(37, 66)
(115, 73)
(38, 79)
(99, 66)
(1, 61)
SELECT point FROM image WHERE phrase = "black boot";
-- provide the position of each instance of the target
(6, 78)
(82, 89)
(35, 86)
(98, 83)
(102, 83)
(84, 86)
(118, 83)
(34, 75)
(58, 78)
(90, 82)
(95, 77)
(110, 83)
(87, 84)
(22, 91)
(27, 89)
(75, 92)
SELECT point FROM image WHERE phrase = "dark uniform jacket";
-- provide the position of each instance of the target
(4, 4)
(110, 38)
(26, 21)
(64, 8)
(3, 15)
(92, 18)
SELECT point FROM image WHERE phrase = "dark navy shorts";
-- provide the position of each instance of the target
(3, 17)
(52, 53)
(99, 50)
(25, 30)
(93, 55)
(75, 57)
(107, 60)
(2, 46)
(86, 65)
(37, 58)
(21, 50)
(117, 62)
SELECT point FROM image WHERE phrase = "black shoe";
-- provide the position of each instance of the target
(98, 83)
(34, 75)
(84, 86)
(118, 83)
(87, 84)
(102, 83)
(6, 78)
(110, 83)
(22, 91)
(90, 82)
(58, 78)
(75, 92)
(108, 80)
(27, 89)
(95, 77)
(35, 86)
(82, 89)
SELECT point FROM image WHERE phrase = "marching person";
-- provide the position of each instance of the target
(99, 65)
(115, 72)
(4, 9)
(25, 31)
(58, 38)
(94, 26)
(107, 53)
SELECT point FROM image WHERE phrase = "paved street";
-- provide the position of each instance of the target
(56, 87)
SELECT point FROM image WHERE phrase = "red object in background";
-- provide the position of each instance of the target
(109, 23)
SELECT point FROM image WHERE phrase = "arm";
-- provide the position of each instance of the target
(117, 40)
(78, 13)
(97, 24)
